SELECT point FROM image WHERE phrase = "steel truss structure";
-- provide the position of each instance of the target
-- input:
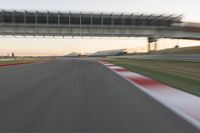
(38, 23)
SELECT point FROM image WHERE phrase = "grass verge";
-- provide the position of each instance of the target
(181, 75)
(20, 61)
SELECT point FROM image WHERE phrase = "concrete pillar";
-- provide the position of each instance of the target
(155, 46)
(149, 46)
(150, 41)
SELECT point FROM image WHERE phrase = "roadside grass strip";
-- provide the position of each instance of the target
(182, 103)
(13, 64)
(21, 63)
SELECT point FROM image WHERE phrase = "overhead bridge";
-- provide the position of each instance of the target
(35, 23)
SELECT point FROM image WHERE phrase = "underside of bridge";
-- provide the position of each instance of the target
(86, 24)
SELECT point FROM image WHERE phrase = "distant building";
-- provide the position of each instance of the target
(73, 54)
(109, 53)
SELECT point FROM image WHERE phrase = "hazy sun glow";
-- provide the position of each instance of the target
(62, 46)
(59, 46)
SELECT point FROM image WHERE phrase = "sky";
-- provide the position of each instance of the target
(51, 46)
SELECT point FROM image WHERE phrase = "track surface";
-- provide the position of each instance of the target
(78, 96)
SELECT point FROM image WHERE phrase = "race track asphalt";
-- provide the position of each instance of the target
(79, 96)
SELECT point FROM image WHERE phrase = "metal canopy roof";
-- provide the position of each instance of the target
(66, 18)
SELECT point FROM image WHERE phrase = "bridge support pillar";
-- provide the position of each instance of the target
(155, 45)
(149, 47)
(152, 40)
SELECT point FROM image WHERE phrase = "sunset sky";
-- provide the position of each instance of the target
(59, 46)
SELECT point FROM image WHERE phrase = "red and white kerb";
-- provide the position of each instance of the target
(183, 104)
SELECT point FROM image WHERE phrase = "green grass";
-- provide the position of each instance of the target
(181, 75)
(184, 50)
